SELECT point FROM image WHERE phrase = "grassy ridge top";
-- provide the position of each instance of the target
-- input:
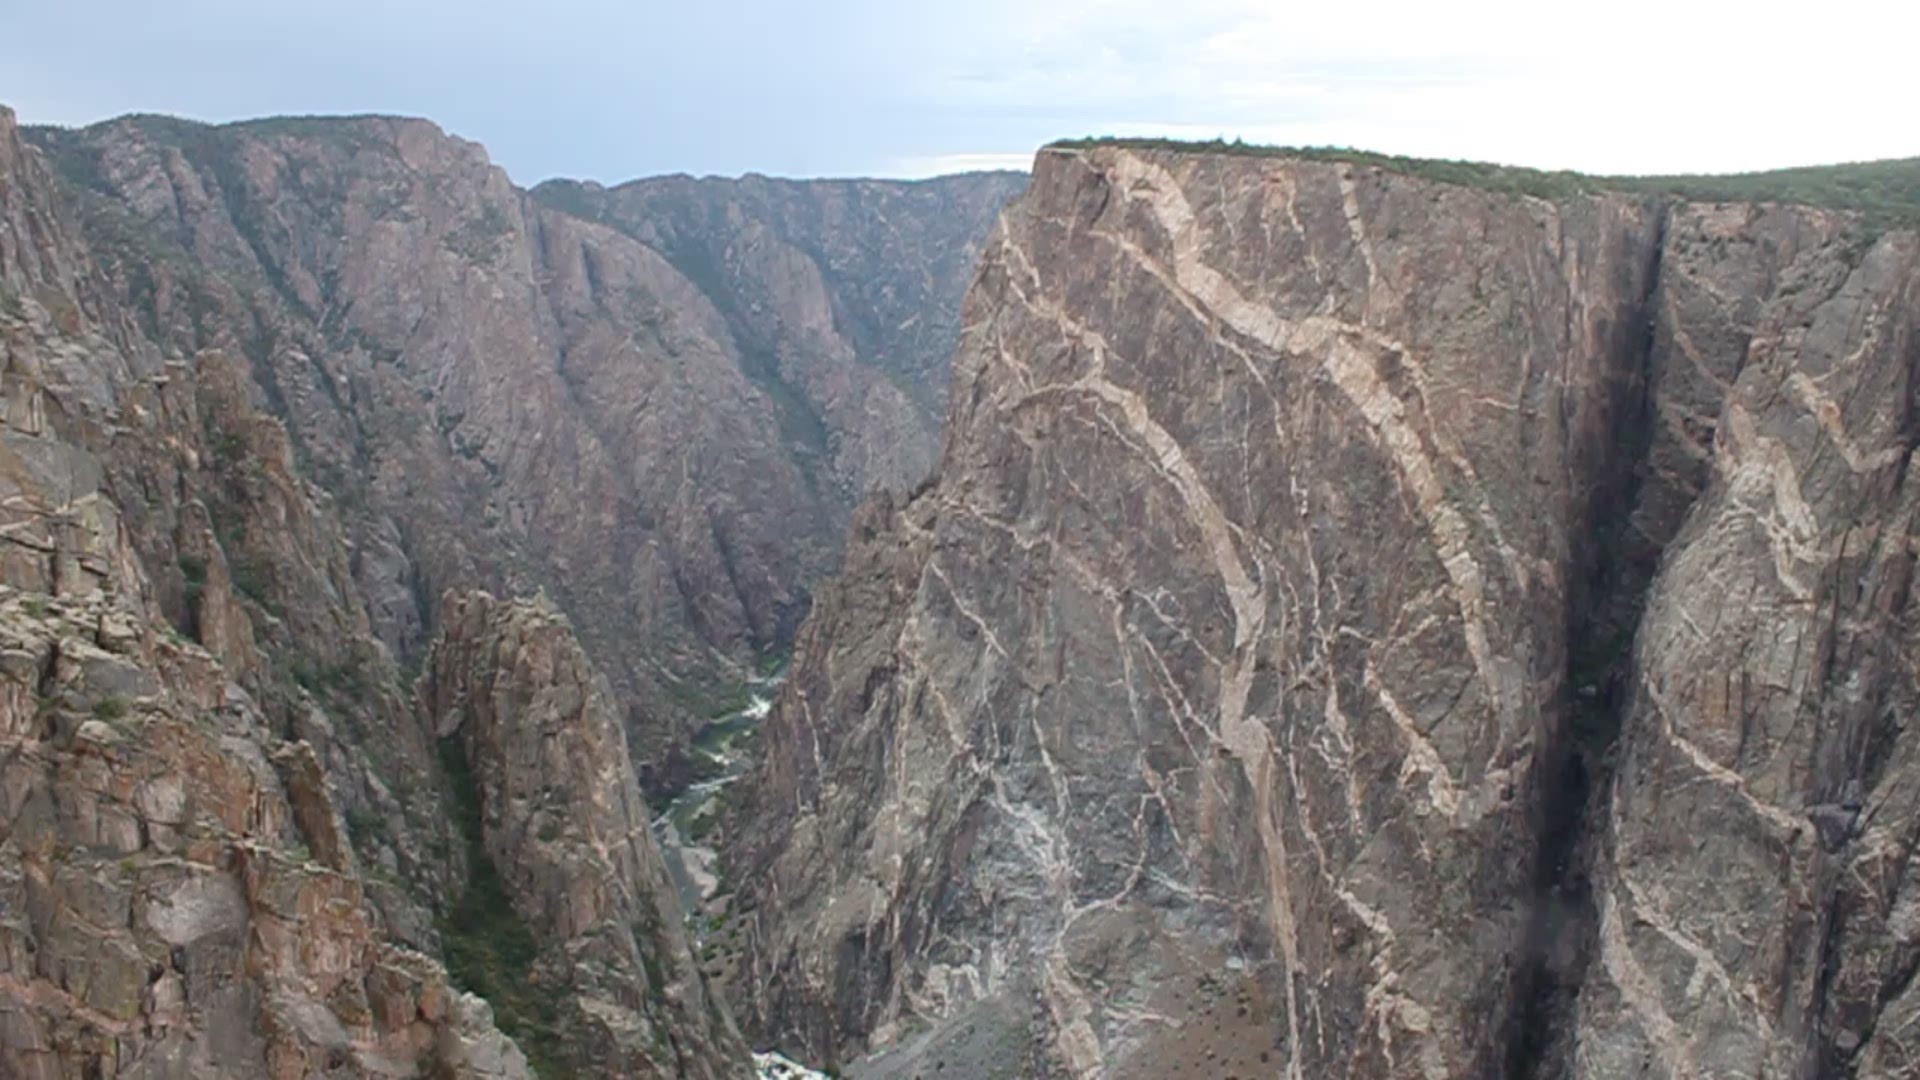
(1886, 193)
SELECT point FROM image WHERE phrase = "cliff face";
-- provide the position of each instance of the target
(502, 394)
(843, 297)
(559, 820)
(1754, 871)
(1370, 627)
(196, 728)
(180, 898)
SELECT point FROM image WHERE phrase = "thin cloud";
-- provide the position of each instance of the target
(1639, 86)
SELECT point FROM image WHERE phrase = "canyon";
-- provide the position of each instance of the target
(284, 789)
(660, 411)
(1252, 613)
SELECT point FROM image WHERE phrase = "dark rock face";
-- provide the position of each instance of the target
(563, 824)
(502, 394)
(1367, 627)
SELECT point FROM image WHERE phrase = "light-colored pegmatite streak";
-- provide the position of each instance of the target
(1714, 772)
(1765, 484)
(1827, 412)
(1720, 1018)
(1356, 227)
(1640, 993)
(1422, 759)
(1246, 737)
(1347, 354)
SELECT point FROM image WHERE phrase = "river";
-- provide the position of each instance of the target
(684, 826)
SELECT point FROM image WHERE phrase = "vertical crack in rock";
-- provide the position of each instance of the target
(1320, 610)
(1606, 595)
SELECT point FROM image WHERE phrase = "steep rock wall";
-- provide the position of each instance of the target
(1753, 875)
(502, 394)
(185, 886)
(562, 825)
(1310, 543)
(842, 295)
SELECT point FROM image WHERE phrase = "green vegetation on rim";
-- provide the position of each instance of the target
(1884, 193)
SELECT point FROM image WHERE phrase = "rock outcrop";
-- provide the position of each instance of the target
(181, 893)
(499, 393)
(176, 902)
(1366, 626)
(560, 830)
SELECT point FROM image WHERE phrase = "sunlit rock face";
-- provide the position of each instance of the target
(1368, 627)
(207, 867)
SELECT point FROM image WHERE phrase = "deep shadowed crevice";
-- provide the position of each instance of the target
(1613, 567)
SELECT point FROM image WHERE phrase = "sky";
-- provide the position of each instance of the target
(613, 89)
